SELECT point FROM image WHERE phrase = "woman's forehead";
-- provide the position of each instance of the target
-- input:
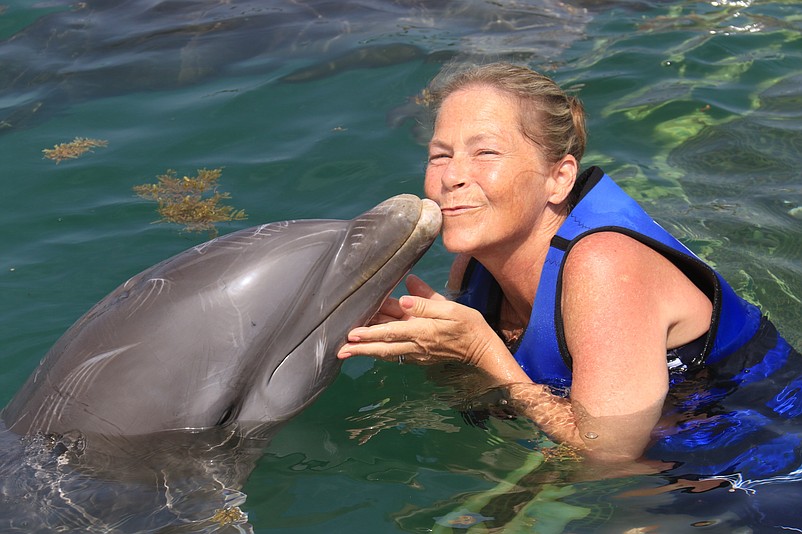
(479, 103)
(485, 111)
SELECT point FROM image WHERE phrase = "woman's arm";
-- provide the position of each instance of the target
(623, 305)
(428, 328)
(618, 322)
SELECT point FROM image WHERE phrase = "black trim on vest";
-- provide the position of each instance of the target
(699, 273)
(588, 180)
(560, 243)
(466, 276)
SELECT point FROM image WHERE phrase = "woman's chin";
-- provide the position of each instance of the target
(458, 244)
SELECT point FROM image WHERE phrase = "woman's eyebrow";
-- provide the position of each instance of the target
(436, 143)
(475, 139)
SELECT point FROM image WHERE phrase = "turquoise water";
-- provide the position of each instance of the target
(695, 108)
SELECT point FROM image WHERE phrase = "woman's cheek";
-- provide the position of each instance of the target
(450, 235)
(459, 237)
(430, 186)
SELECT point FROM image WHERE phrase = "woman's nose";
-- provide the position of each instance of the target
(455, 173)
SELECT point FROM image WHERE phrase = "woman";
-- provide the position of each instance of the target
(563, 283)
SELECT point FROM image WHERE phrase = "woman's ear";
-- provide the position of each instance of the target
(563, 177)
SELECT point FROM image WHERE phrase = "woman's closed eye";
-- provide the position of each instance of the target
(439, 157)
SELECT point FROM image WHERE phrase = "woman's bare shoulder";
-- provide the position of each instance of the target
(613, 257)
(615, 278)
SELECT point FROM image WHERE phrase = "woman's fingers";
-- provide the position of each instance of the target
(430, 308)
(384, 351)
(381, 318)
(390, 332)
(419, 288)
(391, 307)
(391, 310)
(421, 327)
(385, 341)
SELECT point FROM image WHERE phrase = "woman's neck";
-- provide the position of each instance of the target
(518, 271)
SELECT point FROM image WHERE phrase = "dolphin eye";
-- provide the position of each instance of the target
(227, 417)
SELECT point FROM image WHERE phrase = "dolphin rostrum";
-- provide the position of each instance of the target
(217, 345)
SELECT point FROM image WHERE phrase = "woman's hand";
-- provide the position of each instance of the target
(423, 327)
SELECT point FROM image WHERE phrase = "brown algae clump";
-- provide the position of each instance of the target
(192, 202)
(75, 148)
(228, 516)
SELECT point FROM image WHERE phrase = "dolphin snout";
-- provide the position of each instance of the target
(422, 214)
(403, 205)
(431, 218)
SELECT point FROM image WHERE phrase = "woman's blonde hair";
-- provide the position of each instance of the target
(551, 119)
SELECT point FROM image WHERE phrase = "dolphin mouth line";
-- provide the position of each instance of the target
(429, 221)
(424, 220)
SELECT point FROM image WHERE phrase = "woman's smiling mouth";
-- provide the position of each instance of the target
(456, 210)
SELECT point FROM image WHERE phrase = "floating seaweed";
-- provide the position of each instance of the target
(186, 200)
(75, 148)
(425, 98)
(228, 516)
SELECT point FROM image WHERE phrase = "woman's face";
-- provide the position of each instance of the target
(491, 182)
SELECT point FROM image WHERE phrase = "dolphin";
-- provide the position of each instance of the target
(196, 361)
(240, 328)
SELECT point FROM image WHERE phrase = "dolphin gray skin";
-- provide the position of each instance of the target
(173, 383)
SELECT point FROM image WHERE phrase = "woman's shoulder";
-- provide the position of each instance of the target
(608, 249)
(616, 276)
(612, 259)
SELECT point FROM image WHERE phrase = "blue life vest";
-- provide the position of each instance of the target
(605, 207)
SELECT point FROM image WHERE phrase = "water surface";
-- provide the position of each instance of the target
(694, 107)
